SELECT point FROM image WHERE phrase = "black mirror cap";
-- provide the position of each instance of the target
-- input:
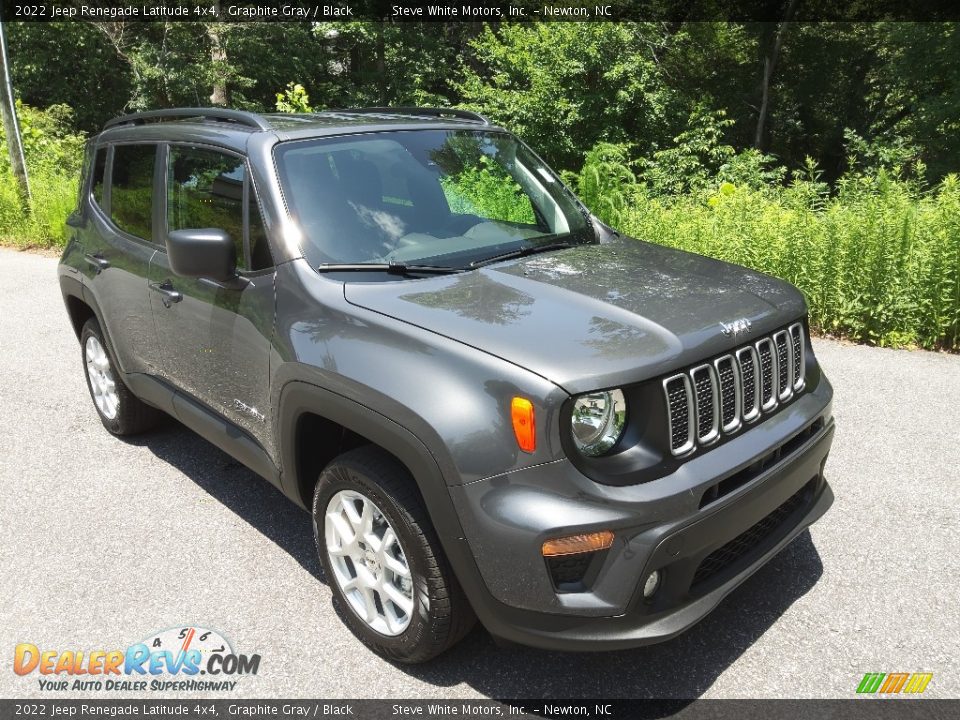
(202, 253)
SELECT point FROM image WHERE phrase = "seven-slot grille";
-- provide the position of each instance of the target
(716, 398)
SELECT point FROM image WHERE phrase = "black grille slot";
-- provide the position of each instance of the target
(727, 555)
(703, 391)
(748, 386)
(679, 408)
(796, 337)
(728, 392)
(765, 352)
(783, 363)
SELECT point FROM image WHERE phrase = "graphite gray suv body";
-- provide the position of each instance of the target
(493, 404)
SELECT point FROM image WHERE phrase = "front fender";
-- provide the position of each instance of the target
(454, 398)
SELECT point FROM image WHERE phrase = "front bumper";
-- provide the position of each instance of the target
(704, 546)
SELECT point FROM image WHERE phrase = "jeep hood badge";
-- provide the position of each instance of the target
(736, 328)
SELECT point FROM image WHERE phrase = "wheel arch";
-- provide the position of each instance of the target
(316, 425)
(79, 312)
(80, 308)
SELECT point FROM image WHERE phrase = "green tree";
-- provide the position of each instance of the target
(913, 91)
(69, 63)
(566, 86)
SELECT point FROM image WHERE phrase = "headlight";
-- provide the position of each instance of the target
(598, 421)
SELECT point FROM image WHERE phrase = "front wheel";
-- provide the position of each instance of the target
(383, 561)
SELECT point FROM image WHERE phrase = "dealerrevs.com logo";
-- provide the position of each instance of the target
(184, 658)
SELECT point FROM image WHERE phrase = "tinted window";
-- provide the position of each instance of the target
(205, 190)
(99, 170)
(131, 189)
(260, 258)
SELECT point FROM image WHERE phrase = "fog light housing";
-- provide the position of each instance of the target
(651, 585)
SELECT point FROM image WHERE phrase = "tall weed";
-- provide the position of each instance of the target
(53, 153)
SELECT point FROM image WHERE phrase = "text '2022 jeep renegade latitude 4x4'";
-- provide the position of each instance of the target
(494, 405)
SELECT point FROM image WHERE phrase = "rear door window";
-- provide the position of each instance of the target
(131, 189)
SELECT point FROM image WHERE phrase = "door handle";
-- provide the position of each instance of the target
(168, 294)
(97, 261)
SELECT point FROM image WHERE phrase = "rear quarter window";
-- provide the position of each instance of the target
(97, 176)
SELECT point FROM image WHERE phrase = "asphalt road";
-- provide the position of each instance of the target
(103, 542)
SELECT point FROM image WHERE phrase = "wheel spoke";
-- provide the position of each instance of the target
(394, 621)
(366, 519)
(397, 567)
(389, 538)
(341, 528)
(350, 510)
(370, 604)
(397, 597)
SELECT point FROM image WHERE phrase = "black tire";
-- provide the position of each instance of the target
(132, 415)
(442, 614)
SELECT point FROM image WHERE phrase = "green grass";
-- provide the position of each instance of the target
(53, 198)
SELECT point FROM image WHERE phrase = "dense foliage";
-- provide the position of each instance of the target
(833, 170)
(53, 153)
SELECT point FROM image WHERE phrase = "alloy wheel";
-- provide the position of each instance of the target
(369, 564)
(102, 384)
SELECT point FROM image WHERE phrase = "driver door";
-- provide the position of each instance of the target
(215, 337)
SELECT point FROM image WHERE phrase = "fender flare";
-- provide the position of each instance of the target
(74, 288)
(298, 397)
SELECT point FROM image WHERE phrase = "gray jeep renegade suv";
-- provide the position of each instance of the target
(494, 405)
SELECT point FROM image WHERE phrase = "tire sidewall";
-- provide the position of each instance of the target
(407, 643)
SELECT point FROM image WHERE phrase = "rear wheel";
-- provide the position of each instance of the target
(383, 560)
(120, 411)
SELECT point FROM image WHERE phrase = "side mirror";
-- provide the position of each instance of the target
(202, 253)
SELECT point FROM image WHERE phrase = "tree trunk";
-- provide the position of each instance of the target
(769, 65)
(218, 55)
(381, 65)
(11, 127)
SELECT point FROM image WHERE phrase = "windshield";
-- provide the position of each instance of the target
(427, 197)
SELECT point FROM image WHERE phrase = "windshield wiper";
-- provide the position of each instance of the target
(522, 252)
(392, 268)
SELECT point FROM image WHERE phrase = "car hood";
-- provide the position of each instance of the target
(592, 316)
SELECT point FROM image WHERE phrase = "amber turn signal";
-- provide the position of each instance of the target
(524, 427)
(576, 544)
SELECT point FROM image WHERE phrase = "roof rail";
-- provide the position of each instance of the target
(434, 112)
(241, 117)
